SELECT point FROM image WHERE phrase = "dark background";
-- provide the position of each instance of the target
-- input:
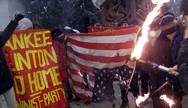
(79, 14)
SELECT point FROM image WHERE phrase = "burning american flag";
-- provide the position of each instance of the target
(98, 50)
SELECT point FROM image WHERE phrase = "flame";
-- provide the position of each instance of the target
(142, 99)
(159, 1)
(167, 100)
(145, 28)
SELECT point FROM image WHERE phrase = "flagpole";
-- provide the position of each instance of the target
(132, 75)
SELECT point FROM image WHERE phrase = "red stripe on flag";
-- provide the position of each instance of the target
(102, 46)
(82, 67)
(101, 59)
(74, 72)
(127, 30)
(82, 86)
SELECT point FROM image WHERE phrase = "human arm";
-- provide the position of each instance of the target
(6, 34)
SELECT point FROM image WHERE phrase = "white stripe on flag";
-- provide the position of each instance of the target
(93, 64)
(103, 53)
(77, 78)
(74, 67)
(105, 39)
(82, 91)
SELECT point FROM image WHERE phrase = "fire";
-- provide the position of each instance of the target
(142, 99)
(158, 1)
(167, 100)
(136, 54)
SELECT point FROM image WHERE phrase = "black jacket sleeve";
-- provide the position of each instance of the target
(6, 34)
(183, 64)
(183, 52)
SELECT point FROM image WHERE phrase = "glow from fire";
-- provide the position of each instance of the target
(142, 99)
(167, 100)
(158, 1)
(136, 54)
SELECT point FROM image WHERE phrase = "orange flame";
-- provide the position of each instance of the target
(167, 100)
(142, 99)
(145, 28)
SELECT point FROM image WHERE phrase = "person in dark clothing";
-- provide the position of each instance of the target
(144, 81)
(173, 32)
(134, 88)
(85, 14)
(6, 81)
(183, 64)
(161, 51)
(183, 51)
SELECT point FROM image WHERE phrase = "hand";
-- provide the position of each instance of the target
(185, 37)
(18, 17)
(186, 25)
(186, 33)
(174, 68)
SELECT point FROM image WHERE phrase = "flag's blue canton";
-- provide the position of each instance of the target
(103, 89)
